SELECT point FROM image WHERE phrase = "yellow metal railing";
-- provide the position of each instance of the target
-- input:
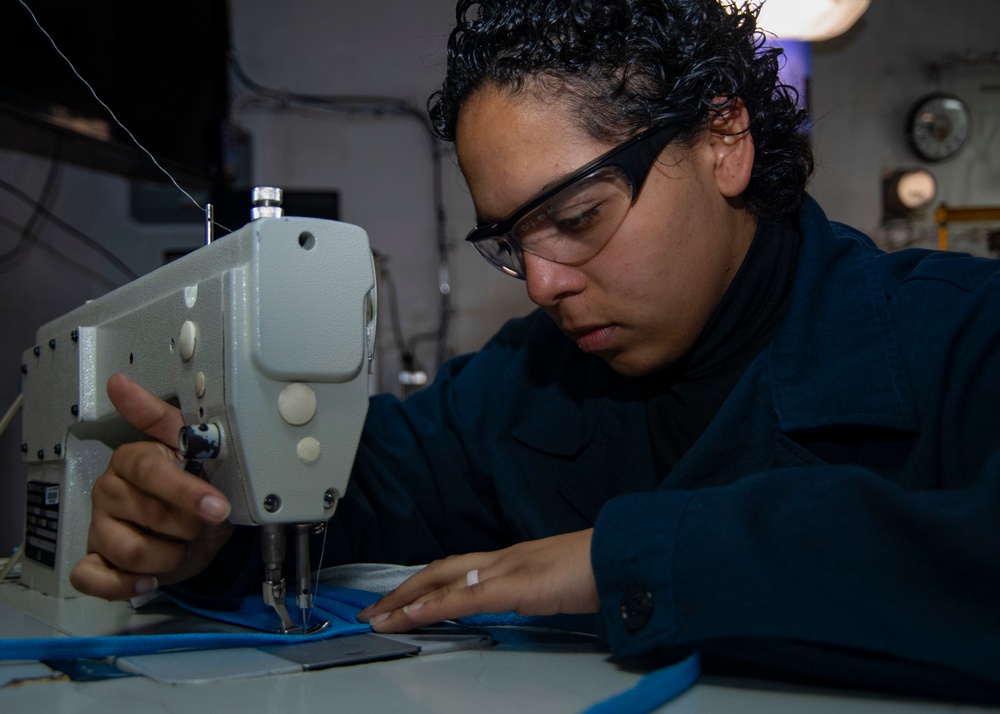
(946, 214)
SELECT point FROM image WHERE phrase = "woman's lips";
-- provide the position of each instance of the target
(594, 339)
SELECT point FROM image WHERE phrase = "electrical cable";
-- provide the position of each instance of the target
(65, 259)
(419, 338)
(13, 560)
(28, 235)
(74, 232)
(8, 416)
(357, 104)
(406, 354)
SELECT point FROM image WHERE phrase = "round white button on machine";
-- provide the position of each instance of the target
(297, 404)
(188, 338)
(308, 450)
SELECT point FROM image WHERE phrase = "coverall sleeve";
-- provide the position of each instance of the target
(830, 572)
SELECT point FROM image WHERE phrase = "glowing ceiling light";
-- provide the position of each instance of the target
(809, 20)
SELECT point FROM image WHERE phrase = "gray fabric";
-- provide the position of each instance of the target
(374, 577)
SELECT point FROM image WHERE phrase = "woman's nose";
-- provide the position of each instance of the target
(549, 282)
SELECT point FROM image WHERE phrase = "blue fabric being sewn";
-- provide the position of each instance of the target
(339, 606)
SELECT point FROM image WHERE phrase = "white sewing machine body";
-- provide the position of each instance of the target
(266, 335)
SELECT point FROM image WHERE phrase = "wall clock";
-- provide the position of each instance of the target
(938, 126)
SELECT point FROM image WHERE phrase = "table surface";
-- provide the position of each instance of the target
(531, 677)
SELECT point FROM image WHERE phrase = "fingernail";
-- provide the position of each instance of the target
(214, 508)
(410, 609)
(364, 613)
(145, 585)
(379, 618)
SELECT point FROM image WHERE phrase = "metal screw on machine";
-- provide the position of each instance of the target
(267, 202)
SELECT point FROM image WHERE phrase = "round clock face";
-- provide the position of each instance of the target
(938, 126)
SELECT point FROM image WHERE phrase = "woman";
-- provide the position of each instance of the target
(732, 426)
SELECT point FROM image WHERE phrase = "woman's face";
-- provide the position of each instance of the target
(641, 302)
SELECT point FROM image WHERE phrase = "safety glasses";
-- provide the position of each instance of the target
(572, 222)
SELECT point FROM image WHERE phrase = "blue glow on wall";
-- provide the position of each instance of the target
(796, 67)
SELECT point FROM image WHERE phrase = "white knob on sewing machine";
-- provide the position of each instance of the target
(188, 339)
(308, 450)
(297, 404)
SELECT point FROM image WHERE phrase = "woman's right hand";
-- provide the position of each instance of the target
(152, 522)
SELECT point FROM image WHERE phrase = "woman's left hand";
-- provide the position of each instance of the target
(540, 577)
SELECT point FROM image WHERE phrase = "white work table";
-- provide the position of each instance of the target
(525, 678)
(495, 680)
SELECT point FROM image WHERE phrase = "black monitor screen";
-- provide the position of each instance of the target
(160, 67)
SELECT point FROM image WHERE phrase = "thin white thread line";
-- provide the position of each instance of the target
(322, 552)
(107, 108)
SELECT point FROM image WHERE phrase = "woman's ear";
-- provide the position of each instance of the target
(732, 146)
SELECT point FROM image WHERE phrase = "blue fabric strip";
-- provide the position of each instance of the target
(569, 623)
(654, 690)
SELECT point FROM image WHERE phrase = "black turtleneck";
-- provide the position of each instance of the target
(683, 398)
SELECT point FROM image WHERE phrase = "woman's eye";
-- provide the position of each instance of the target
(580, 221)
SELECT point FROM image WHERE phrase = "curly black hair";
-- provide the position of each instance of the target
(628, 64)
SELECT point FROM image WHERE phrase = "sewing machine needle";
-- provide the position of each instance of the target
(302, 572)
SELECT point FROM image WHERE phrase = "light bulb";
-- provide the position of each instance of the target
(809, 20)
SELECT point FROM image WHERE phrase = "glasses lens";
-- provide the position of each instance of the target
(576, 223)
(502, 254)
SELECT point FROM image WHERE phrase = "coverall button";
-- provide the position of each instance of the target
(637, 607)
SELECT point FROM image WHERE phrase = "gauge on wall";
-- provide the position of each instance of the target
(907, 191)
(938, 126)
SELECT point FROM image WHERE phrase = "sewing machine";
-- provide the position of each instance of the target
(264, 338)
